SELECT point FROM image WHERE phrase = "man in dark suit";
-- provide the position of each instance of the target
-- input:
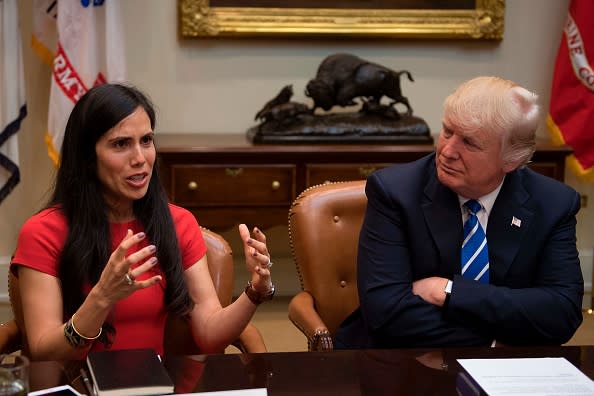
(528, 290)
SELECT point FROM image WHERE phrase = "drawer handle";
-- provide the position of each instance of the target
(365, 171)
(233, 172)
(275, 185)
(192, 185)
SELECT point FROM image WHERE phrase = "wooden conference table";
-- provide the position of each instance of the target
(344, 373)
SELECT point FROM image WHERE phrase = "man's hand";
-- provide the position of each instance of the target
(431, 290)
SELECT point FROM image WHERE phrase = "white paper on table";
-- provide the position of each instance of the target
(239, 392)
(528, 376)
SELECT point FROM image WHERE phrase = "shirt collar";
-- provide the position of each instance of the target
(487, 201)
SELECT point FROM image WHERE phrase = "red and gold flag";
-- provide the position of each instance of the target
(571, 112)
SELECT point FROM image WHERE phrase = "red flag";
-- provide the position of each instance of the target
(571, 113)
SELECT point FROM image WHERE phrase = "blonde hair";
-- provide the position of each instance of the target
(498, 106)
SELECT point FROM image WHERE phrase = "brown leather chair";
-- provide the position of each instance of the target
(178, 339)
(324, 226)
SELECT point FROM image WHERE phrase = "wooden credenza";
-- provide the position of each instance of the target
(224, 179)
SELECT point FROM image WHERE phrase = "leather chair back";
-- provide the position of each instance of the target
(324, 226)
(220, 264)
(178, 337)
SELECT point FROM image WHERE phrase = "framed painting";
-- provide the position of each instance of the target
(430, 19)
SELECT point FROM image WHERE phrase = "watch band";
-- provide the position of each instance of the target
(256, 297)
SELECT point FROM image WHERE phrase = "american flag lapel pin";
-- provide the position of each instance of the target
(516, 222)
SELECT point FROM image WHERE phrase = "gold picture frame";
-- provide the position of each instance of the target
(484, 21)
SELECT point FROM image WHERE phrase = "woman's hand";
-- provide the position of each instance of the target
(257, 258)
(117, 279)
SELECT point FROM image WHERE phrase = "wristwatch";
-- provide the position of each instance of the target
(256, 297)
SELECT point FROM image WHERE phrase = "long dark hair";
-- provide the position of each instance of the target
(78, 193)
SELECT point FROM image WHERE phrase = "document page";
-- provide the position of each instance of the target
(529, 376)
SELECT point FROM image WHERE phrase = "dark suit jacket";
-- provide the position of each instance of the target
(413, 230)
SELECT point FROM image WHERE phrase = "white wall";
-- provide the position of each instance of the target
(217, 86)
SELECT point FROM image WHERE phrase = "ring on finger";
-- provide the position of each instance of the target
(129, 279)
(269, 264)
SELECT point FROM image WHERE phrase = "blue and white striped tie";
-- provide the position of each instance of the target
(475, 253)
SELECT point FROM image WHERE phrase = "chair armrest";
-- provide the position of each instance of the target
(10, 337)
(250, 340)
(303, 314)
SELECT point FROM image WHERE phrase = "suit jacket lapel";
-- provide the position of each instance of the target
(444, 220)
(504, 234)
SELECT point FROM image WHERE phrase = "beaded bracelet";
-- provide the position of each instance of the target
(75, 338)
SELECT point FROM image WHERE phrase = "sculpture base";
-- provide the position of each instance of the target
(342, 128)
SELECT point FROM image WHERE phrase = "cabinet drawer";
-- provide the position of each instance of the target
(258, 185)
(319, 174)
